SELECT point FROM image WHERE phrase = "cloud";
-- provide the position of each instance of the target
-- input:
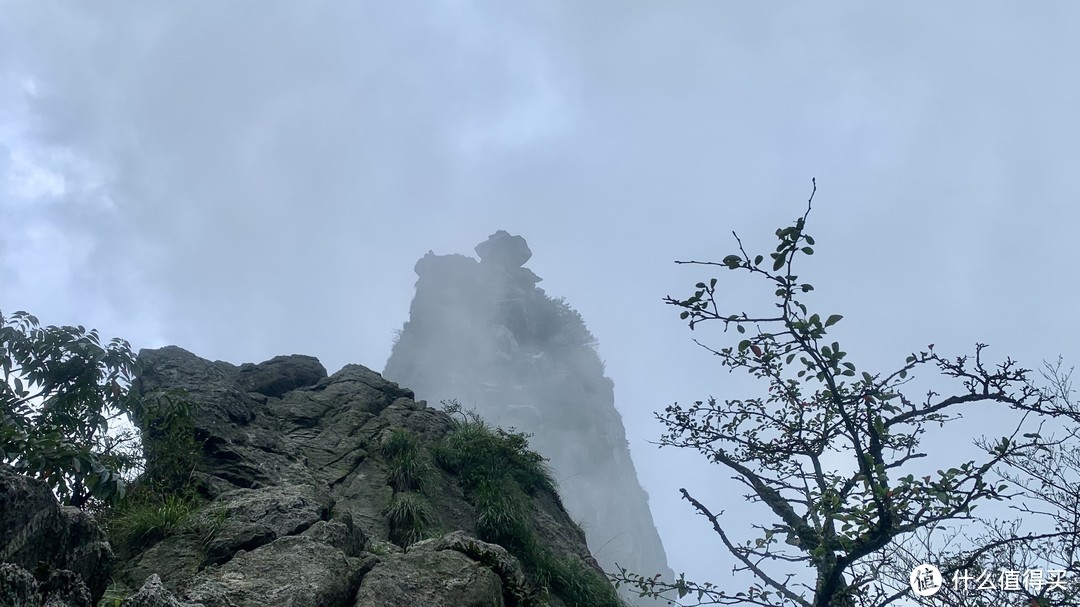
(255, 179)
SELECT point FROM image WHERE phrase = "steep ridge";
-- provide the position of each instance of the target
(482, 333)
(310, 490)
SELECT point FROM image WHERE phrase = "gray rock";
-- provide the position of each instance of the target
(36, 529)
(537, 372)
(64, 589)
(18, 588)
(502, 249)
(61, 588)
(281, 374)
(296, 489)
(430, 579)
(254, 517)
(154, 594)
(515, 586)
(295, 570)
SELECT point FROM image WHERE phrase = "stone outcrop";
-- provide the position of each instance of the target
(297, 483)
(67, 550)
(483, 333)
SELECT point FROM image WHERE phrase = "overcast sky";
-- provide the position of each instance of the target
(247, 179)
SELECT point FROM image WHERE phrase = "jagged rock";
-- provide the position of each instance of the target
(430, 579)
(154, 594)
(504, 250)
(490, 338)
(62, 588)
(254, 517)
(340, 533)
(18, 588)
(294, 570)
(281, 374)
(515, 588)
(296, 490)
(35, 529)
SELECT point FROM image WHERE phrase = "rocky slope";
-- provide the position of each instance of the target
(309, 490)
(483, 333)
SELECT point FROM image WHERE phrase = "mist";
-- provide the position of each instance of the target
(249, 180)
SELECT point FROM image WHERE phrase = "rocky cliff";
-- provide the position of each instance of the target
(308, 490)
(483, 333)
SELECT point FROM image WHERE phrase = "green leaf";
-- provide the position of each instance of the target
(740, 328)
(779, 263)
(744, 345)
(732, 261)
(808, 250)
(809, 239)
(867, 378)
(832, 320)
(758, 260)
(684, 315)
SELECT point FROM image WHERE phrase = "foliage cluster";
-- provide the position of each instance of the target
(499, 473)
(62, 392)
(60, 389)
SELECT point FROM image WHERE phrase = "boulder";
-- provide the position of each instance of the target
(281, 374)
(430, 579)
(502, 249)
(154, 594)
(35, 529)
(61, 588)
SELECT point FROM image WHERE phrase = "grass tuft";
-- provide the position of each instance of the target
(409, 516)
(406, 460)
(499, 472)
(142, 523)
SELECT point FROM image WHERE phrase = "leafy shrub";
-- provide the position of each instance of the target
(59, 390)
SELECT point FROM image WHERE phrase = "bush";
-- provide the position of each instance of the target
(59, 391)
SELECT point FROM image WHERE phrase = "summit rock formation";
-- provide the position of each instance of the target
(305, 489)
(482, 333)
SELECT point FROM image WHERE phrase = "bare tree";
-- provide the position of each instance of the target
(835, 532)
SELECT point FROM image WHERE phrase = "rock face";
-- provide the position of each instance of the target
(308, 484)
(64, 544)
(484, 334)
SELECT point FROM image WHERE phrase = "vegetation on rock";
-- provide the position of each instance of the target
(499, 472)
